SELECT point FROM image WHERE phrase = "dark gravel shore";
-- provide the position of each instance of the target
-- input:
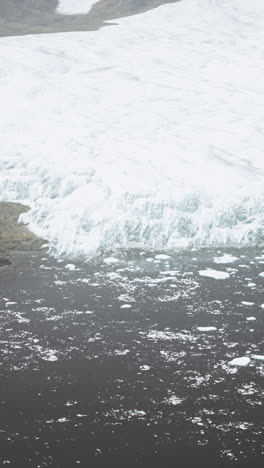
(105, 364)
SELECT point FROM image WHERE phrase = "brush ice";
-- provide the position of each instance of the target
(75, 7)
(242, 361)
(216, 274)
(145, 134)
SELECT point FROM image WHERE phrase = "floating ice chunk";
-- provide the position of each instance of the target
(120, 352)
(247, 303)
(125, 306)
(206, 329)
(173, 400)
(162, 257)
(50, 355)
(114, 276)
(149, 259)
(251, 319)
(111, 260)
(70, 266)
(261, 274)
(226, 258)
(258, 357)
(75, 7)
(170, 272)
(262, 306)
(144, 368)
(135, 412)
(216, 274)
(62, 420)
(241, 362)
(251, 285)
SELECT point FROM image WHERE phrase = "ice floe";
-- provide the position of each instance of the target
(258, 357)
(162, 257)
(216, 274)
(225, 259)
(241, 361)
(111, 260)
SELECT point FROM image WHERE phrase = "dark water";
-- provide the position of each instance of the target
(18, 17)
(85, 382)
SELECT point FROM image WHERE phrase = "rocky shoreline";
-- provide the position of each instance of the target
(15, 236)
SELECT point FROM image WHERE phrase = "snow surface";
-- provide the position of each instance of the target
(216, 274)
(75, 7)
(144, 134)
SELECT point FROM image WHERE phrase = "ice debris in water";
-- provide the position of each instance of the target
(125, 306)
(144, 368)
(111, 260)
(247, 303)
(240, 362)
(162, 257)
(216, 274)
(70, 266)
(251, 319)
(206, 329)
(261, 274)
(226, 258)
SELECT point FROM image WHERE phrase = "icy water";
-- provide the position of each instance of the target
(130, 360)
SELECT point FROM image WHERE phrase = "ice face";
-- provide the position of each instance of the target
(97, 136)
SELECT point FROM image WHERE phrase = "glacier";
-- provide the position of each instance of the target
(147, 133)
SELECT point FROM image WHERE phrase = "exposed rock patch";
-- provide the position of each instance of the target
(15, 236)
